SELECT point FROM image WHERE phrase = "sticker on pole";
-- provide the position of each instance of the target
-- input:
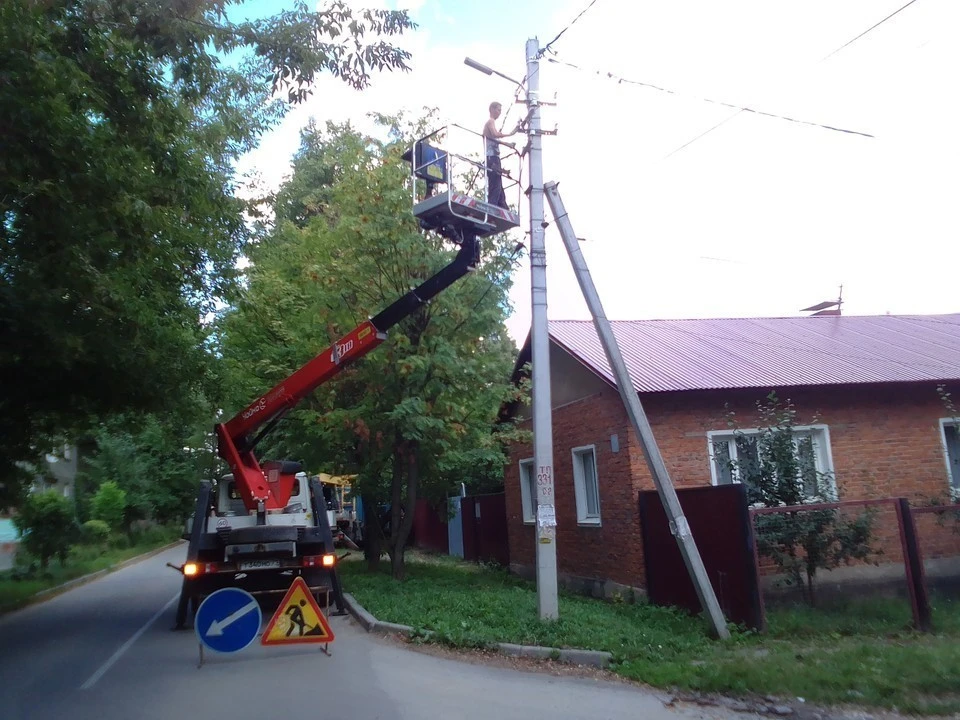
(228, 620)
(298, 619)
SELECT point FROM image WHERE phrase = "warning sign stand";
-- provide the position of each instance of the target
(299, 619)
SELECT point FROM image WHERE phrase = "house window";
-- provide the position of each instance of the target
(735, 457)
(950, 434)
(528, 491)
(585, 485)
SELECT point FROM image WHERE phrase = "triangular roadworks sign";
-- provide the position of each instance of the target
(298, 619)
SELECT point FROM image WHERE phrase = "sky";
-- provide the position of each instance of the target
(759, 217)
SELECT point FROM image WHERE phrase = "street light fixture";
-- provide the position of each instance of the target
(470, 62)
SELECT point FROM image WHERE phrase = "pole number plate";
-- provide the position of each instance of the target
(545, 481)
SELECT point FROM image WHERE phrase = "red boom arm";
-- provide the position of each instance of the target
(235, 438)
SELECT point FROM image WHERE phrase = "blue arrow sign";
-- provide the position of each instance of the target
(228, 620)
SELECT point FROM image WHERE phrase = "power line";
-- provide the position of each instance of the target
(705, 132)
(546, 47)
(872, 27)
(740, 108)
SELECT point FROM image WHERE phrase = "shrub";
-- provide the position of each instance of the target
(109, 505)
(47, 525)
(782, 473)
(94, 532)
(147, 533)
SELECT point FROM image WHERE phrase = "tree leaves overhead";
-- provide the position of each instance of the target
(119, 125)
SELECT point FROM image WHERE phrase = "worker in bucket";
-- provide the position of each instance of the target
(491, 136)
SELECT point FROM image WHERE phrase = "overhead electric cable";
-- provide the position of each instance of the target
(872, 27)
(849, 42)
(741, 108)
(546, 47)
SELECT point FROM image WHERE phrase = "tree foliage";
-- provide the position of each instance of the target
(120, 231)
(94, 532)
(415, 417)
(109, 505)
(47, 524)
(156, 461)
(781, 473)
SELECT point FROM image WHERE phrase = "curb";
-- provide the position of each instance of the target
(50, 593)
(571, 656)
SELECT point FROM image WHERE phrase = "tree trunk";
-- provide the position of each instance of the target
(396, 511)
(811, 592)
(409, 509)
(373, 534)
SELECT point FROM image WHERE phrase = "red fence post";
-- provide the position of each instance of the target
(913, 562)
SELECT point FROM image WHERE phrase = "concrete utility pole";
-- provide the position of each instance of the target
(638, 418)
(546, 517)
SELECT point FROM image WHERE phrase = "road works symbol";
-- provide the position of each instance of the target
(298, 619)
(228, 620)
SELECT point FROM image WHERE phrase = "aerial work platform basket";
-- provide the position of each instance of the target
(450, 189)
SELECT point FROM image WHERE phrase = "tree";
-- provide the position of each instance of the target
(778, 470)
(120, 229)
(156, 461)
(46, 522)
(417, 416)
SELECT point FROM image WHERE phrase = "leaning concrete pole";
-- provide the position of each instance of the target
(638, 418)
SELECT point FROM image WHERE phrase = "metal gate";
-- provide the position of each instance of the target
(721, 526)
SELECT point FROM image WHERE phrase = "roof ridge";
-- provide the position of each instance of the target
(764, 317)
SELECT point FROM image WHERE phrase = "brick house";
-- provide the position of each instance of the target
(865, 389)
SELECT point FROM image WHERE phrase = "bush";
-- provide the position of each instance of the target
(94, 532)
(47, 525)
(119, 541)
(147, 533)
(110, 505)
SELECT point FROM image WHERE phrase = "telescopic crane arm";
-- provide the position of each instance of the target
(237, 438)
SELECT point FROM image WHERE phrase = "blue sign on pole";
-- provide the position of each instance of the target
(228, 620)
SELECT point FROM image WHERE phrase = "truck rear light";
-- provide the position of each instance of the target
(192, 569)
(327, 561)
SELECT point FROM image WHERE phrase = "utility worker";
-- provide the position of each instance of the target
(491, 136)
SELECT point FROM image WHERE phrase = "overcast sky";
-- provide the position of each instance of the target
(759, 217)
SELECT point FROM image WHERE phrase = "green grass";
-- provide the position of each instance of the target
(863, 652)
(82, 560)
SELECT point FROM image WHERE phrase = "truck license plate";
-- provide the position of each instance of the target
(259, 565)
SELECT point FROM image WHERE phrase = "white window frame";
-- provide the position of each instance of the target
(952, 490)
(823, 450)
(528, 497)
(579, 485)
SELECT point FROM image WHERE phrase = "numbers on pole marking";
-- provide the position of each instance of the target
(545, 481)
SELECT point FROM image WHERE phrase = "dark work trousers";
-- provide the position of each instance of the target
(495, 195)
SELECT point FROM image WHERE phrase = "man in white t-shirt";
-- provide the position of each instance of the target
(491, 135)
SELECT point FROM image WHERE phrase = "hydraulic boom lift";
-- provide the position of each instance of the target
(268, 522)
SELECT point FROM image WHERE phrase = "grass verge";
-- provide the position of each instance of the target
(83, 559)
(863, 653)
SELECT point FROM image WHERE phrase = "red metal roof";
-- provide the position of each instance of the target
(670, 355)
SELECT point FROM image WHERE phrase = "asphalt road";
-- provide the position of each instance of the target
(107, 651)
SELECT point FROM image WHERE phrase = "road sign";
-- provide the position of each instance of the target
(228, 620)
(298, 619)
